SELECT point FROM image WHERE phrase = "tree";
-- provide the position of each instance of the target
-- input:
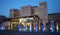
(2, 19)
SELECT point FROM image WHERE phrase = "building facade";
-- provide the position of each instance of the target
(26, 11)
(40, 10)
(14, 13)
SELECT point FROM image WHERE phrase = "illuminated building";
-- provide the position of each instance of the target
(18, 17)
(40, 10)
(26, 23)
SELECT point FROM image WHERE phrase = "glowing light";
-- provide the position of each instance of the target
(2, 28)
(50, 28)
(36, 25)
(52, 22)
(57, 27)
(24, 28)
(39, 25)
(19, 29)
(44, 29)
(34, 28)
(28, 24)
(30, 28)
(39, 28)
(43, 26)
(22, 23)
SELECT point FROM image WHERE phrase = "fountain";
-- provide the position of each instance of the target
(36, 25)
(52, 26)
(43, 26)
(30, 28)
(24, 28)
(19, 28)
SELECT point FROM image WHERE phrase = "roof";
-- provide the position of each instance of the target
(54, 14)
(24, 17)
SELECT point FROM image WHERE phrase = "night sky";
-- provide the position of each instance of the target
(6, 5)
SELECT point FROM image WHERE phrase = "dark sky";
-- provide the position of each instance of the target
(6, 5)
